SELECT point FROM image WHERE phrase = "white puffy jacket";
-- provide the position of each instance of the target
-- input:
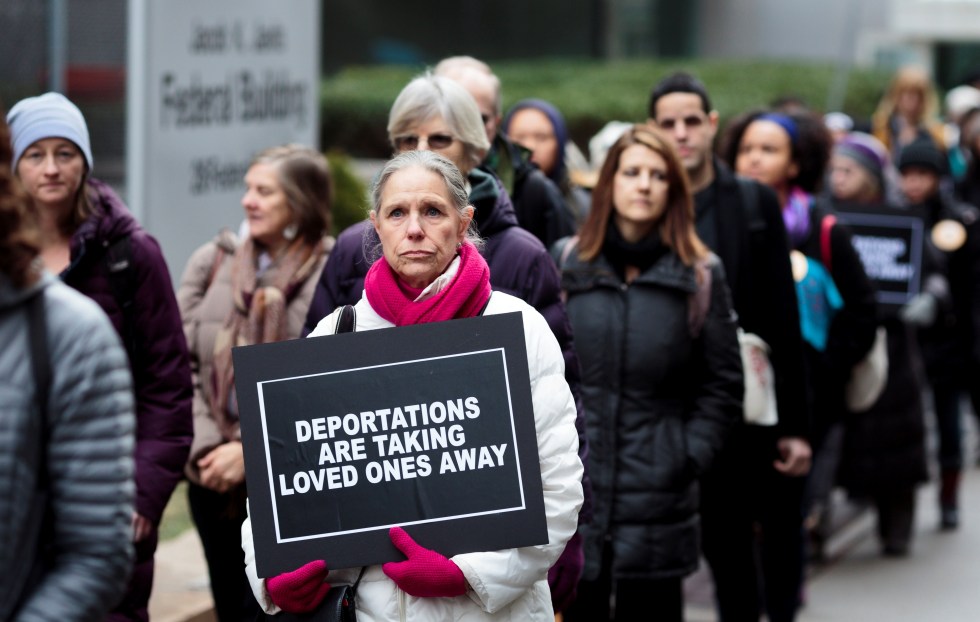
(505, 585)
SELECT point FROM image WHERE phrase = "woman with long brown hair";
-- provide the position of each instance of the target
(661, 376)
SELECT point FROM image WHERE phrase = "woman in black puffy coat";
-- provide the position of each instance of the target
(661, 376)
(883, 455)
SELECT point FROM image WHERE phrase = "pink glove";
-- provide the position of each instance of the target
(301, 590)
(426, 573)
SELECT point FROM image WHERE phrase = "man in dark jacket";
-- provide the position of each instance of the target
(949, 316)
(758, 478)
(538, 202)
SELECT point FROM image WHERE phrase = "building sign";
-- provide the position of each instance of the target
(210, 84)
(427, 426)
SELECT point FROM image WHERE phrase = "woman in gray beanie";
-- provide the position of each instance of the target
(882, 455)
(92, 242)
(860, 171)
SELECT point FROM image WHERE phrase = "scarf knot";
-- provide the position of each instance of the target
(464, 295)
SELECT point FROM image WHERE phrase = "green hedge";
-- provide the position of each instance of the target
(355, 102)
(350, 203)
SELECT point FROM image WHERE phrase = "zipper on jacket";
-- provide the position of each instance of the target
(401, 605)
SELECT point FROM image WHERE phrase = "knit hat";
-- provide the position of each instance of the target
(959, 100)
(922, 153)
(867, 151)
(557, 125)
(50, 115)
(838, 122)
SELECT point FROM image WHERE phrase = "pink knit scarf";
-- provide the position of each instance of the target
(464, 296)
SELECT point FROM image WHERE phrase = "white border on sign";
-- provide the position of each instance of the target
(513, 431)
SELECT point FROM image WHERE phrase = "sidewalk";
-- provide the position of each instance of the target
(181, 591)
(939, 581)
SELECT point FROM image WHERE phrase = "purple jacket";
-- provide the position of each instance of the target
(158, 354)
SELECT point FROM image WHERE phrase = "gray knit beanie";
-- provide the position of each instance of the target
(50, 115)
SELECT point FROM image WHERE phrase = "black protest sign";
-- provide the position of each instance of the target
(427, 426)
(890, 246)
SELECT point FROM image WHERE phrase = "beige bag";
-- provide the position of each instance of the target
(759, 405)
(869, 376)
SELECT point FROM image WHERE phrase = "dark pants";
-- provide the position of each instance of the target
(821, 480)
(134, 606)
(946, 402)
(218, 518)
(752, 531)
(659, 600)
(896, 515)
(975, 399)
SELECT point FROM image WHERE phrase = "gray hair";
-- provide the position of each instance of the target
(429, 96)
(456, 66)
(433, 163)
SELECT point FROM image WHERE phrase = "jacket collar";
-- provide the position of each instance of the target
(11, 296)
(668, 271)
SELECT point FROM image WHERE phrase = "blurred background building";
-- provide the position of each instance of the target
(79, 46)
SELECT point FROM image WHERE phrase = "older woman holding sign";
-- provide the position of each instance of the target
(429, 271)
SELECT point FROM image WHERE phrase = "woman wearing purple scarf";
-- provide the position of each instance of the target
(789, 153)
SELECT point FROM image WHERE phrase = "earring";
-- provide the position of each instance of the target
(290, 231)
(459, 246)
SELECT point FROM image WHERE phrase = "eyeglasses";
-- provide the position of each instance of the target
(410, 142)
(691, 121)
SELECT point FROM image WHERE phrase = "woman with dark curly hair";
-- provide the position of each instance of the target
(789, 153)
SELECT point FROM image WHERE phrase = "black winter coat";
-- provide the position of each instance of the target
(852, 330)
(951, 345)
(752, 246)
(884, 446)
(659, 403)
(538, 203)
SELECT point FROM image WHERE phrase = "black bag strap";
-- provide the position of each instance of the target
(563, 250)
(37, 335)
(750, 201)
(700, 301)
(346, 320)
(358, 581)
(122, 279)
(37, 327)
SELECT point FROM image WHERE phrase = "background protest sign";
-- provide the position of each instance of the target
(429, 427)
(890, 246)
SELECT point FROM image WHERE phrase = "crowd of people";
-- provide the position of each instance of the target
(698, 319)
